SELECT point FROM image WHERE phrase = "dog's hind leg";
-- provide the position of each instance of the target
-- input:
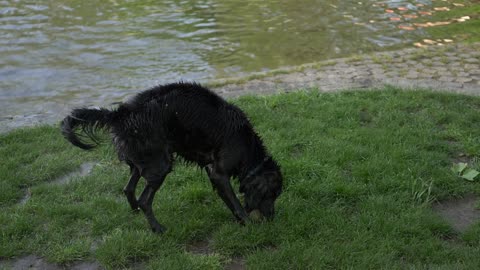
(154, 177)
(221, 183)
(129, 189)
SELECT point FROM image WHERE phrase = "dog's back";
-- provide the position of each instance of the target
(188, 118)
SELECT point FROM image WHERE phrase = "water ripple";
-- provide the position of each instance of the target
(56, 49)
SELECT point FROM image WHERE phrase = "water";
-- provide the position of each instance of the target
(59, 54)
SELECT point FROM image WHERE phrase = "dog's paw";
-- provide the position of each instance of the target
(242, 221)
(134, 205)
(157, 228)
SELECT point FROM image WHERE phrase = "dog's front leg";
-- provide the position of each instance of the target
(221, 183)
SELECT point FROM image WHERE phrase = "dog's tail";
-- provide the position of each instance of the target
(88, 121)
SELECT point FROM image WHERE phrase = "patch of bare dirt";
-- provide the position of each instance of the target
(365, 117)
(200, 247)
(203, 247)
(26, 197)
(297, 150)
(84, 170)
(33, 262)
(459, 213)
(462, 158)
(237, 263)
(86, 266)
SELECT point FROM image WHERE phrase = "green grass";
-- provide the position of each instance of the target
(361, 172)
(468, 31)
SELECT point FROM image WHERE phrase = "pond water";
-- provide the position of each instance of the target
(59, 51)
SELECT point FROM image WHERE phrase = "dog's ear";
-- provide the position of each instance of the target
(274, 182)
(258, 184)
(246, 187)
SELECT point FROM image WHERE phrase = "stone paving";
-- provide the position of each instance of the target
(454, 68)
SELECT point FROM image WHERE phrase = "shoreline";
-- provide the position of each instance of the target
(451, 68)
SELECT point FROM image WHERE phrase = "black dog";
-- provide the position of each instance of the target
(194, 123)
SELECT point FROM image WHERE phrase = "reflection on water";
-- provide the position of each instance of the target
(53, 50)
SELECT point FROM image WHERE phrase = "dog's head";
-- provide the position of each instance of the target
(262, 189)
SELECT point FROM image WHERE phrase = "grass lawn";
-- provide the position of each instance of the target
(362, 170)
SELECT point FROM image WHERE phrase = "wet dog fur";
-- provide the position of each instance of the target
(190, 121)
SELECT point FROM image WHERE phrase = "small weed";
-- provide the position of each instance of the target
(422, 192)
(444, 59)
(462, 170)
(418, 54)
(355, 58)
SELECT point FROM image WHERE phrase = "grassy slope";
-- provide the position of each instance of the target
(357, 166)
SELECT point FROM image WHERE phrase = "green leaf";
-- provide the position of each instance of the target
(470, 174)
(459, 167)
